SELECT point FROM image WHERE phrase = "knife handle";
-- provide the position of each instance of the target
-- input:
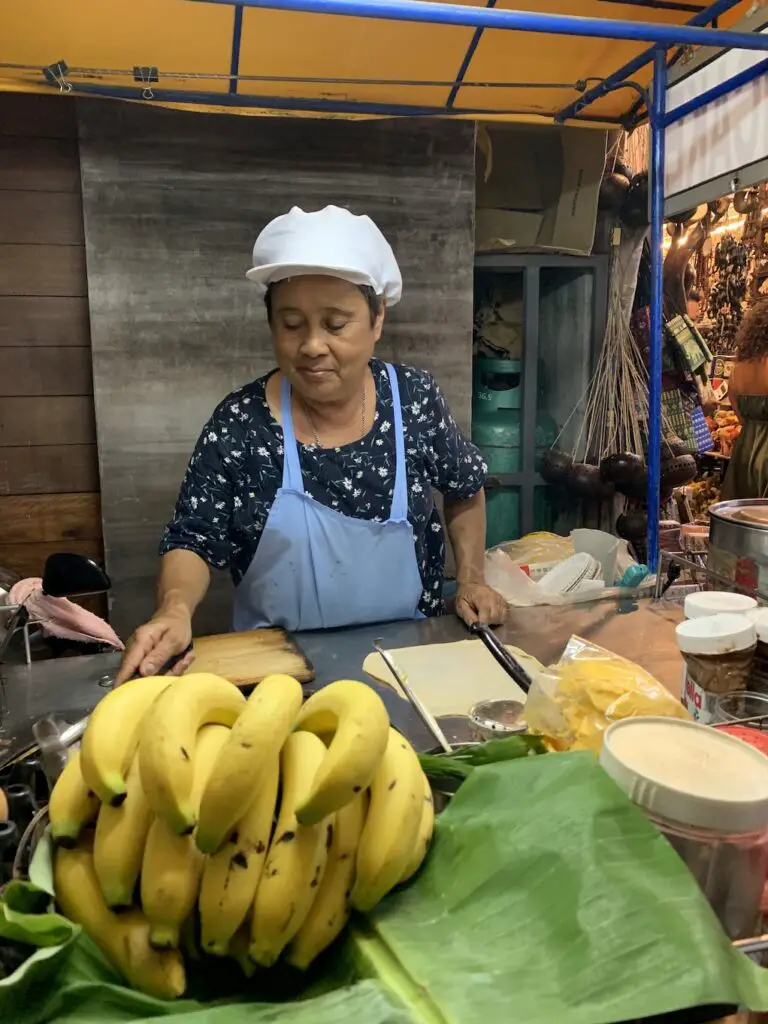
(511, 665)
(170, 664)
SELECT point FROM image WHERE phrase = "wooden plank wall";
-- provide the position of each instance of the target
(49, 479)
(173, 202)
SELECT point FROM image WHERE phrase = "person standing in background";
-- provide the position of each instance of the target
(693, 304)
(747, 475)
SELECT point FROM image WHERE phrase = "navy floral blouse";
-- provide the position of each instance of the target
(237, 467)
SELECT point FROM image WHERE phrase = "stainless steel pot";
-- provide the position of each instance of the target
(738, 544)
(740, 528)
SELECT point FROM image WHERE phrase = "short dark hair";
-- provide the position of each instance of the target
(372, 299)
(752, 336)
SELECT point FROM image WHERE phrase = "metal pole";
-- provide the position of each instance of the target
(658, 106)
(426, 12)
(642, 60)
(237, 38)
(717, 92)
(297, 103)
(477, 35)
(531, 314)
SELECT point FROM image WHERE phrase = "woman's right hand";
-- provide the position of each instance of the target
(168, 633)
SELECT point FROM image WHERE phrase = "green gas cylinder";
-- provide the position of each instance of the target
(496, 385)
(496, 430)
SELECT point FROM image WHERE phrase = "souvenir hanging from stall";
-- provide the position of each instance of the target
(727, 294)
(608, 413)
(728, 269)
(686, 391)
(606, 455)
(756, 236)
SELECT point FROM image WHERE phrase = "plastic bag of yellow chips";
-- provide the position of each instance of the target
(571, 704)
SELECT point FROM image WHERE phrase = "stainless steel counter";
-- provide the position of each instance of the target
(642, 631)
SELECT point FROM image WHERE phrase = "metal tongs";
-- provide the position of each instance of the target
(54, 739)
(510, 664)
(402, 681)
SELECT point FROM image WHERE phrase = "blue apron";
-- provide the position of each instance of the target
(316, 568)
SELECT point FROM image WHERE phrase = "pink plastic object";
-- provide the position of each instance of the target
(61, 617)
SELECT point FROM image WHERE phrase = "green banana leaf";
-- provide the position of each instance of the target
(548, 892)
(547, 897)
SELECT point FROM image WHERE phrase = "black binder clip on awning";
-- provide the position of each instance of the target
(56, 74)
(146, 75)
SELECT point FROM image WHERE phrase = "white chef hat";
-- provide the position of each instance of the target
(333, 242)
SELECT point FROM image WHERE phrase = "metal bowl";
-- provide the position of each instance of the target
(493, 719)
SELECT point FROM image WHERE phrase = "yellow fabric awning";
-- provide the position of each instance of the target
(258, 61)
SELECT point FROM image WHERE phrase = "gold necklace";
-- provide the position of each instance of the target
(316, 436)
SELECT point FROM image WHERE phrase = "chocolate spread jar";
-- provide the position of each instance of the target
(718, 652)
(759, 680)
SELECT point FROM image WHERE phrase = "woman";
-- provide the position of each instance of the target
(747, 475)
(693, 304)
(313, 485)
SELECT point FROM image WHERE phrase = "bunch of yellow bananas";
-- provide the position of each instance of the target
(237, 828)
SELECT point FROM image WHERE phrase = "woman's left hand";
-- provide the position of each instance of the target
(477, 602)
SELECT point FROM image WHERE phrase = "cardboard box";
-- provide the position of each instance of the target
(537, 188)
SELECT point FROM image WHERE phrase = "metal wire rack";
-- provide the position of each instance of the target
(689, 570)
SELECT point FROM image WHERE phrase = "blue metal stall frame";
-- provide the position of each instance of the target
(661, 38)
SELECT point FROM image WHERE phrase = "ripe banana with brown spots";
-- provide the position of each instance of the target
(168, 738)
(297, 856)
(391, 828)
(122, 938)
(355, 717)
(231, 876)
(424, 837)
(330, 910)
(255, 741)
(72, 805)
(112, 735)
(172, 864)
(118, 846)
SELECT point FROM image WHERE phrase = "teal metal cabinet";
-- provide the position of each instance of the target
(520, 404)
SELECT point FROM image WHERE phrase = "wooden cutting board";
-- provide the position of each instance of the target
(247, 658)
(450, 678)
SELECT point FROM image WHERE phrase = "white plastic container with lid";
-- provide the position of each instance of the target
(717, 602)
(759, 616)
(704, 603)
(718, 652)
(707, 792)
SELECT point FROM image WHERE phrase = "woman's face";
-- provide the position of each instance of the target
(323, 336)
